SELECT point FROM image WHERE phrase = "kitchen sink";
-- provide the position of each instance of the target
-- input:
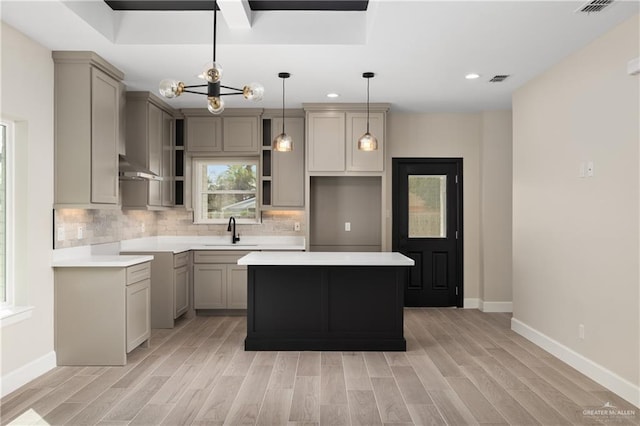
(230, 245)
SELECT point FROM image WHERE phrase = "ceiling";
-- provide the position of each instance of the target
(420, 50)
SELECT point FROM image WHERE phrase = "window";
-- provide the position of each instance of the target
(225, 188)
(6, 293)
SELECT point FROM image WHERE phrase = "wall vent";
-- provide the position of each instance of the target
(594, 6)
(498, 78)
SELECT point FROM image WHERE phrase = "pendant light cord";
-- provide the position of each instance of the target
(215, 19)
(368, 104)
(283, 79)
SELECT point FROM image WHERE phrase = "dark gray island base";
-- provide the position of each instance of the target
(325, 307)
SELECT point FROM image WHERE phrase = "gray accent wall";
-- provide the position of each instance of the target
(338, 199)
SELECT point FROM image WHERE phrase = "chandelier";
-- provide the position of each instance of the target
(212, 74)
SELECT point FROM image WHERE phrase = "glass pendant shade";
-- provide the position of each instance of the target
(367, 142)
(170, 88)
(215, 105)
(283, 143)
(253, 92)
(212, 72)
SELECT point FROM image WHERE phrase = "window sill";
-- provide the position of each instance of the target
(14, 314)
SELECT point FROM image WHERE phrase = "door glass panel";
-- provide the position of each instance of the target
(427, 206)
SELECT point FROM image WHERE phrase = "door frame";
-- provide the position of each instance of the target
(395, 162)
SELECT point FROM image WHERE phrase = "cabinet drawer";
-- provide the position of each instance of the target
(180, 259)
(139, 272)
(214, 256)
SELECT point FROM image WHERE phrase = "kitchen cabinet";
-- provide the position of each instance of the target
(87, 97)
(218, 281)
(237, 133)
(101, 313)
(283, 172)
(150, 134)
(170, 286)
(332, 138)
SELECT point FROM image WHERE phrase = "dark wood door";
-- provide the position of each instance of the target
(427, 227)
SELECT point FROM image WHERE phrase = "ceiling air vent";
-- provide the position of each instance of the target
(498, 78)
(594, 6)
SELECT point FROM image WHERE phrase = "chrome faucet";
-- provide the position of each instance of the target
(234, 238)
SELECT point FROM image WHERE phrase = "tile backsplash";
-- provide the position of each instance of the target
(106, 226)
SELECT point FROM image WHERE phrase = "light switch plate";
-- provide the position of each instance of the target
(80, 233)
(296, 226)
(60, 233)
(347, 226)
(590, 171)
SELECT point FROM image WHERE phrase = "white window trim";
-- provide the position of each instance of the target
(9, 218)
(195, 187)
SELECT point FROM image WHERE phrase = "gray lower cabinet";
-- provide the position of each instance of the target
(101, 313)
(218, 281)
(170, 286)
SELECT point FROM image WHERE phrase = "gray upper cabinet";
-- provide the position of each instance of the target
(204, 134)
(325, 141)
(88, 96)
(240, 134)
(149, 142)
(333, 131)
(235, 133)
(288, 167)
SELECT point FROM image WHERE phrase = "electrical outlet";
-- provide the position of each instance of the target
(142, 227)
(60, 233)
(347, 226)
(590, 169)
(581, 331)
(80, 233)
(296, 226)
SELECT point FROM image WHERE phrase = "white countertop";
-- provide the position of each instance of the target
(96, 256)
(113, 261)
(181, 244)
(326, 259)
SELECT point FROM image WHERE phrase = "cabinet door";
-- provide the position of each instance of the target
(155, 152)
(240, 134)
(168, 131)
(210, 286)
(180, 291)
(204, 134)
(364, 161)
(237, 290)
(325, 137)
(138, 313)
(288, 167)
(105, 134)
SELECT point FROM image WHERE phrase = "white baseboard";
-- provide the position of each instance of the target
(607, 378)
(471, 303)
(23, 375)
(496, 306)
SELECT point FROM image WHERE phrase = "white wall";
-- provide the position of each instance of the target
(27, 98)
(483, 140)
(496, 160)
(575, 240)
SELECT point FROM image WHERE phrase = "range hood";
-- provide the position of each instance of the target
(132, 171)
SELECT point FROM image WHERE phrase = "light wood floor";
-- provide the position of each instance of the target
(462, 367)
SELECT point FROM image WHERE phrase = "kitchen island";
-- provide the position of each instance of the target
(343, 301)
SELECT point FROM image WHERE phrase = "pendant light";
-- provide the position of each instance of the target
(367, 142)
(212, 74)
(283, 142)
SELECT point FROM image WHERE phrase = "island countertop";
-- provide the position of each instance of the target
(326, 258)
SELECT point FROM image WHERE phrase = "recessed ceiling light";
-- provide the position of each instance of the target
(332, 95)
(472, 76)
